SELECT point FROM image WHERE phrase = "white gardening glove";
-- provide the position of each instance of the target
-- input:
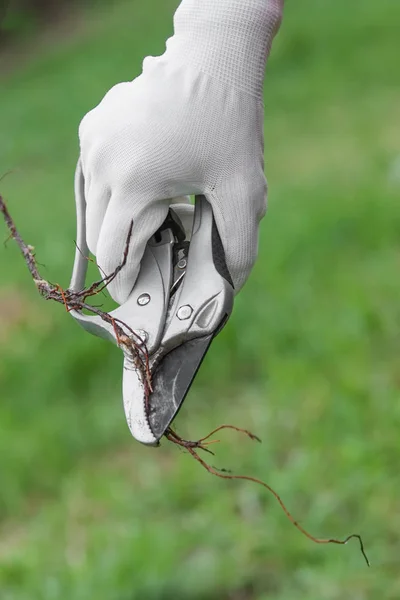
(191, 123)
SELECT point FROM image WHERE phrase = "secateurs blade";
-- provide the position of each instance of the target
(182, 298)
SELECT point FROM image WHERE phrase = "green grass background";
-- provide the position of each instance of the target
(310, 360)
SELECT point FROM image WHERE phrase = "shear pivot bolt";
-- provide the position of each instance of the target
(185, 312)
(182, 263)
(143, 299)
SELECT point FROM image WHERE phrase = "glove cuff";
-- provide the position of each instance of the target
(229, 39)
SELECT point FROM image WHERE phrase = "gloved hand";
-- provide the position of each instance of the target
(192, 122)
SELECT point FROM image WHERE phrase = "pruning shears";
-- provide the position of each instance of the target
(182, 298)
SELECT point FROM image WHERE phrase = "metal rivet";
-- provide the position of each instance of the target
(182, 263)
(143, 299)
(185, 312)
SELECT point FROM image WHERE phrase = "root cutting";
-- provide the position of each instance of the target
(128, 340)
(135, 348)
(192, 447)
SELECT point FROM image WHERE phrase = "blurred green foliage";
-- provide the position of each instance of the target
(310, 360)
(18, 17)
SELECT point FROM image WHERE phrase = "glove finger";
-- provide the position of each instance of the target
(238, 207)
(147, 216)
